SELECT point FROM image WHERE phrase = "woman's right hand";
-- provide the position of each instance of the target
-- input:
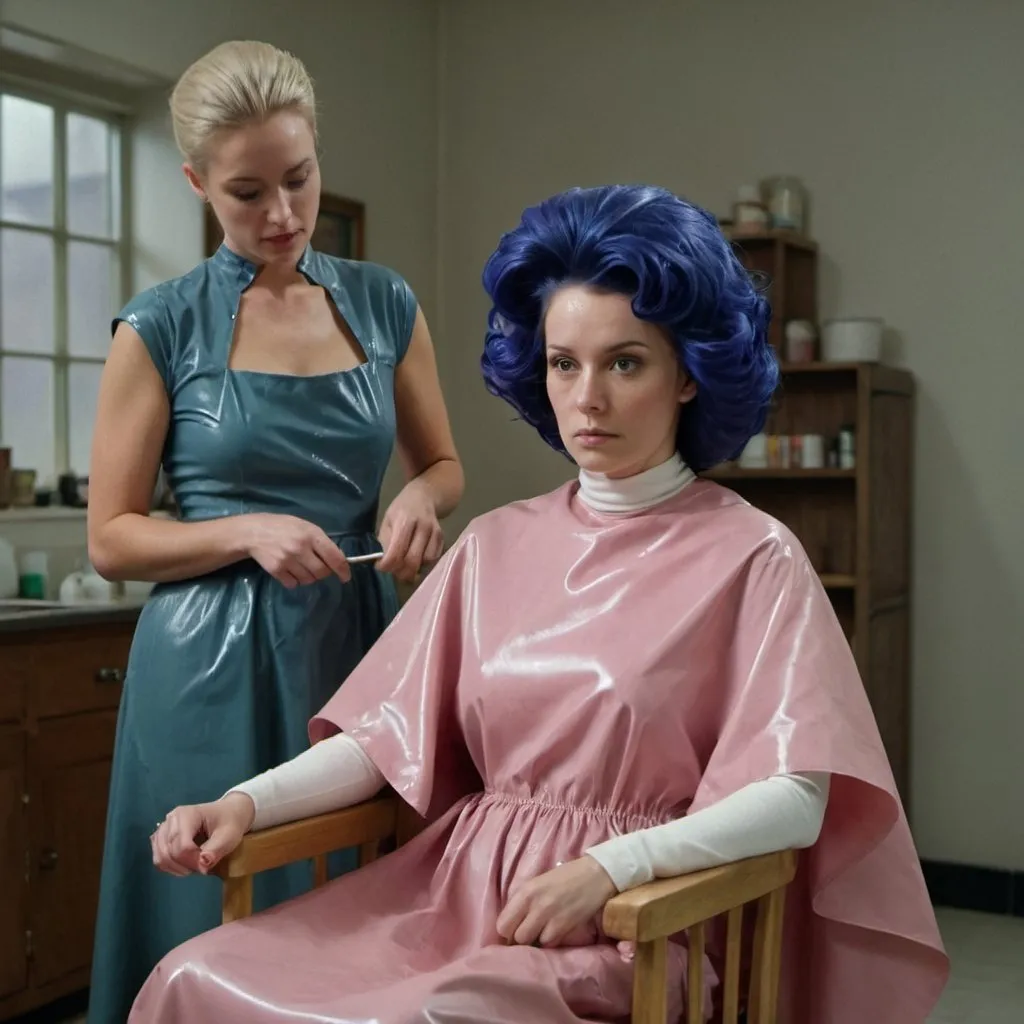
(293, 550)
(195, 837)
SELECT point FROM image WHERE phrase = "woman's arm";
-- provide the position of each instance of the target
(131, 426)
(409, 531)
(784, 812)
(425, 443)
(331, 775)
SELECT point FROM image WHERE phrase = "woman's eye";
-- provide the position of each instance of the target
(246, 197)
(297, 184)
(626, 365)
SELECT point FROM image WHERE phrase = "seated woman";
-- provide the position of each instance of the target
(636, 675)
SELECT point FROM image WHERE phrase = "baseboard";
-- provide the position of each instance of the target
(967, 887)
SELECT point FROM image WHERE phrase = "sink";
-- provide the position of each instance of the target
(9, 605)
(15, 606)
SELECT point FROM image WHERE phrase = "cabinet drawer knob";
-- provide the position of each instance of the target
(48, 860)
(109, 675)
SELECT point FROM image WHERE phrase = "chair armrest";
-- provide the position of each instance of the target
(311, 837)
(664, 907)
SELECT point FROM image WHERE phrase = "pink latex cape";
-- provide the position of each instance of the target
(560, 677)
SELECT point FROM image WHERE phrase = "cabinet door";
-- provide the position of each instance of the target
(68, 776)
(13, 849)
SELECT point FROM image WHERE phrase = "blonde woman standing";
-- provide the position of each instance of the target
(272, 383)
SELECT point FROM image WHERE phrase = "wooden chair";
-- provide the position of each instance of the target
(647, 915)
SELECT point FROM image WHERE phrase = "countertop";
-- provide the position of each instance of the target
(19, 620)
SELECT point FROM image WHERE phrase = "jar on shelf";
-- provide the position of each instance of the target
(749, 214)
(801, 336)
(786, 200)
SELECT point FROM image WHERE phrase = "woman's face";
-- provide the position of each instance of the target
(263, 182)
(614, 382)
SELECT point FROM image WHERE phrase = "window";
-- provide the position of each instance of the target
(63, 267)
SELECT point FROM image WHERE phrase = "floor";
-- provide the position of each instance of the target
(987, 985)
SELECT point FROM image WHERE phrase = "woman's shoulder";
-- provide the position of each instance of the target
(372, 292)
(752, 543)
(165, 313)
(168, 299)
(359, 276)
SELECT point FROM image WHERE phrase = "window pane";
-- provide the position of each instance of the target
(90, 189)
(26, 414)
(26, 291)
(26, 161)
(83, 390)
(92, 287)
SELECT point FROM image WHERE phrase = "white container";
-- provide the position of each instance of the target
(852, 340)
(755, 455)
(813, 451)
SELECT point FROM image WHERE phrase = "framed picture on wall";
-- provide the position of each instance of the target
(340, 228)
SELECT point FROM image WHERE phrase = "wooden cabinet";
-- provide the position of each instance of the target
(13, 847)
(854, 522)
(59, 691)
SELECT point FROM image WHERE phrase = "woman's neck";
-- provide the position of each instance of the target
(634, 493)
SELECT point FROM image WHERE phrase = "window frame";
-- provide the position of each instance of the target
(64, 102)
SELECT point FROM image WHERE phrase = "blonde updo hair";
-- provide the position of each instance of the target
(235, 84)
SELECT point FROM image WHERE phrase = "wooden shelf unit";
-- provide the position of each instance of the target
(788, 263)
(854, 524)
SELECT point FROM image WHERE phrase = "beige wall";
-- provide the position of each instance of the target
(904, 120)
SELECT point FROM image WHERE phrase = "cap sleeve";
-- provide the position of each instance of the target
(405, 315)
(148, 315)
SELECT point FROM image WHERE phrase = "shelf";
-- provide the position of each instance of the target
(790, 238)
(723, 473)
(822, 367)
(837, 581)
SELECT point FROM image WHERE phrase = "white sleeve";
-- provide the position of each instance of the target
(784, 812)
(332, 774)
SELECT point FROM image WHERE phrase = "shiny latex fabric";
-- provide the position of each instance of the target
(226, 670)
(563, 676)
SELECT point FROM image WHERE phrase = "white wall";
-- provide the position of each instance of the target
(904, 120)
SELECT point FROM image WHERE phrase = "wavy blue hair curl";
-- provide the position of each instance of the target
(679, 271)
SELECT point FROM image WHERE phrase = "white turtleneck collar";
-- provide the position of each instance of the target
(635, 493)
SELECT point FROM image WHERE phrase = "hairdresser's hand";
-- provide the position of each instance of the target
(410, 533)
(196, 836)
(292, 550)
(558, 908)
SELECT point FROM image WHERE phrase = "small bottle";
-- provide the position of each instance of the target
(33, 580)
(847, 448)
(796, 451)
(786, 199)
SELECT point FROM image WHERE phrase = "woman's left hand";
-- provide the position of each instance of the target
(410, 533)
(558, 908)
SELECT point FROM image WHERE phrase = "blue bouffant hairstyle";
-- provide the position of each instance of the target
(679, 271)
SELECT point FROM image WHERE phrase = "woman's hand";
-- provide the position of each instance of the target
(195, 837)
(410, 533)
(558, 908)
(292, 550)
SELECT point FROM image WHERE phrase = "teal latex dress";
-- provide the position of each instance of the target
(227, 669)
